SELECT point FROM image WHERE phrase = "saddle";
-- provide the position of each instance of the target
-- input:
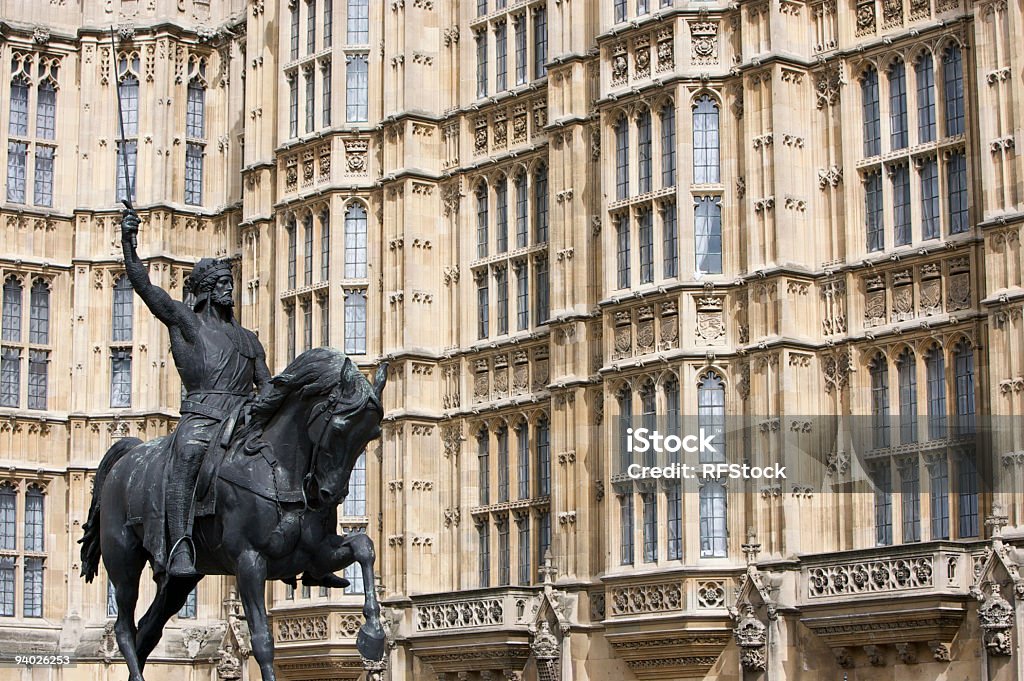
(247, 462)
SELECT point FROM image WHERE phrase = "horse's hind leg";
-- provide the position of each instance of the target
(170, 596)
(124, 565)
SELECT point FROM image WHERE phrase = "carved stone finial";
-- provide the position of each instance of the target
(547, 571)
(998, 519)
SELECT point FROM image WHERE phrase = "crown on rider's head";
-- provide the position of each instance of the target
(206, 273)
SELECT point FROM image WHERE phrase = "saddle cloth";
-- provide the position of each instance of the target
(248, 464)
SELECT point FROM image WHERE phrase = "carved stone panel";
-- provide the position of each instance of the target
(958, 292)
(623, 339)
(704, 42)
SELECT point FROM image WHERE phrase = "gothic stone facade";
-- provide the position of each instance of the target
(555, 218)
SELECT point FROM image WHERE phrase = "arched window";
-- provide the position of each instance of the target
(621, 158)
(906, 367)
(625, 399)
(929, 198)
(540, 208)
(707, 232)
(711, 415)
(502, 465)
(128, 92)
(673, 422)
(901, 203)
(898, 105)
(880, 401)
(925, 73)
(870, 113)
(622, 254)
(713, 520)
(355, 322)
(645, 224)
(483, 457)
(481, 221)
(673, 492)
(8, 516)
(34, 533)
(292, 252)
(964, 366)
(953, 90)
(355, 241)
(626, 516)
(643, 131)
(39, 313)
(46, 111)
(122, 310)
(12, 310)
(523, 460)
(484, 532)
(355, 502)
(307, 249)
(18, 123)
(935, 364)
(503, 549)
(668, 145)
(874, 224)
(501, 205)
(196, 108)
(543, 458)
(650, 527)
(523, 527)
(522, 216)
(956, 188)
(481, 63)
(705, 141)
(8, 528)
(195, 131)
(325, 245)
(34, 526)
(648, 417)
(882, 477)
(670, 239)
(356, 88)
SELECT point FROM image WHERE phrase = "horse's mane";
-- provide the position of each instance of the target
(314, 372)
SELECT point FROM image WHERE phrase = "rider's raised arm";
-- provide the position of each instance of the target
(166, 309)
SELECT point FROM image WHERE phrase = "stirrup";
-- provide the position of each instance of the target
(181, 558)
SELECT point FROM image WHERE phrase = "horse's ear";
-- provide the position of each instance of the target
(380, 380)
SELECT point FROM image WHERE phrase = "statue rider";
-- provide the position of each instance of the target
(220, 364)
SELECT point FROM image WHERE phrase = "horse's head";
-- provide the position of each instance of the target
(339, 427)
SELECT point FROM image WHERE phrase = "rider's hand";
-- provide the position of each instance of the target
(129, 224)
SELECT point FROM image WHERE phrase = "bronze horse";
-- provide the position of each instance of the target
(314, 425)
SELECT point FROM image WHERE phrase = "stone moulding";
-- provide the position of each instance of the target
(670, 651)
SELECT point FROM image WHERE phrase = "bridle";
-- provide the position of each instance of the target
(318, 425)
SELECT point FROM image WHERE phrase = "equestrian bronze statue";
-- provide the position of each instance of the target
(248, 484)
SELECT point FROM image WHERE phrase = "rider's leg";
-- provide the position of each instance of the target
(181, 484)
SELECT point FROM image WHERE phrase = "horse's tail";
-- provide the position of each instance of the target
(91, 539)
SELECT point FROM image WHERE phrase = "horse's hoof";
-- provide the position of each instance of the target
(371, 642)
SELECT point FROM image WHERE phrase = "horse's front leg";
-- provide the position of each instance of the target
(251, 576)
(337, 553)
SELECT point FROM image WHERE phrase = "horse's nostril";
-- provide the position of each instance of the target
(325, 495)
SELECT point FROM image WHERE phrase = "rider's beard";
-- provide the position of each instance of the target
(224, 301)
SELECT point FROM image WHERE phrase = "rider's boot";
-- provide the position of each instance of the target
(180, 562)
